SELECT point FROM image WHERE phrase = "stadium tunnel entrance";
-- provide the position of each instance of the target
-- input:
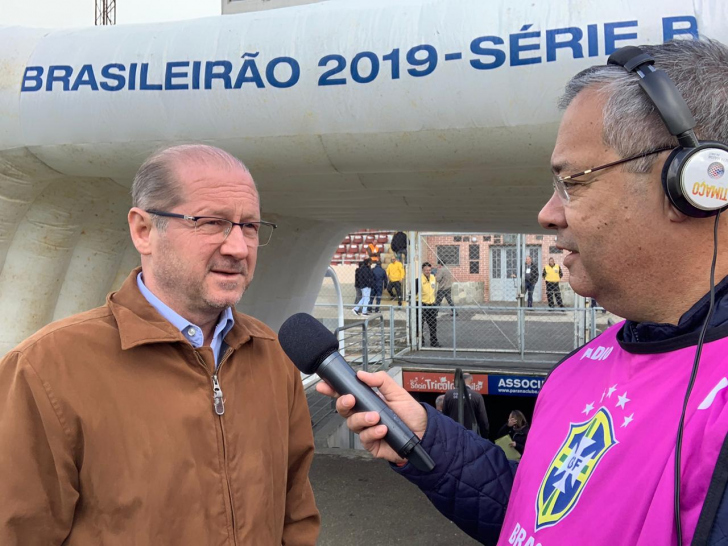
(502, 393)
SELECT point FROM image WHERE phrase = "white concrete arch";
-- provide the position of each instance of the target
(416, 114)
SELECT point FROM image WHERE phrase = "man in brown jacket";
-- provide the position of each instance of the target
(164, 417)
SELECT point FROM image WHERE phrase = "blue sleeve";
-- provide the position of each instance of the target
(719, 531)
(471, 481)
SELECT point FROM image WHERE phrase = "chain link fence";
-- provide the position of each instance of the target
(498, 297)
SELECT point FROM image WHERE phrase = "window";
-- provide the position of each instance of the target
(457, 238)
(474, 255)
(511, 262)
(555, 250)
(539, 237)
(496, 239)
(495, 264)
(486, 238)
(448, 254)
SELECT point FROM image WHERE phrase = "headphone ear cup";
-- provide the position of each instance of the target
(691, 178)
(671, 182)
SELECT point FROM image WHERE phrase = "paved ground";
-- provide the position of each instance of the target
(364, 503)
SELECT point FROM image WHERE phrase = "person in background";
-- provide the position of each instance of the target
(364, 281)
(552, 274)
(380, 281)
(373, 252)
(517, 428)
(474, 405)
(445, 281)
(439, 401)
(395, 274)
(530, 279)
(428, 284)
(399, 245)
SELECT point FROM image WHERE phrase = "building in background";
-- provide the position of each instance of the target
(485, 266)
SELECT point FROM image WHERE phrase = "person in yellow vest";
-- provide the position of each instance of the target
(552, 274)
(395, 275)
(428, 289)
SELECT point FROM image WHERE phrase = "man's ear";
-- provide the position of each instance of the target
(673, 214)
(140, 228)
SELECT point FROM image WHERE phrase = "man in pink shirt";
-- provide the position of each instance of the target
(599, 468)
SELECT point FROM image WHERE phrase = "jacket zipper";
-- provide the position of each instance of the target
(218, 403)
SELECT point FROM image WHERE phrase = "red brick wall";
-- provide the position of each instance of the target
(462, 273)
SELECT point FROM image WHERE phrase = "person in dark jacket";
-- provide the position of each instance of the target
(531, 279)
(517, 429)
(399, 245)
(600, 464)
(474, 405)
(364, 281)
(380, 282)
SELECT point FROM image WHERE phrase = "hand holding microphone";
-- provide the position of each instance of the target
(390, 430)
(366, 423)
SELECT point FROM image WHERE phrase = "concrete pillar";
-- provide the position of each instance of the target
(290, 270)
(98, 252)
(38, 258)
(22, 179)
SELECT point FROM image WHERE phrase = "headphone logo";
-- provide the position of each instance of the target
(716, 170)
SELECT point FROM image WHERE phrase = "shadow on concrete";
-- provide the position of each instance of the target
(364, 503)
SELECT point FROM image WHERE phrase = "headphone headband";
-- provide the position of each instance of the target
(694, 175)
(659, 87)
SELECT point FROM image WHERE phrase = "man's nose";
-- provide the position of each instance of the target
(235, 244)
(552, 215)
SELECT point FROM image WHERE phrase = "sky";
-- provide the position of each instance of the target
(79, 13)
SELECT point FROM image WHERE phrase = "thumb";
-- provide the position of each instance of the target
(382, 381)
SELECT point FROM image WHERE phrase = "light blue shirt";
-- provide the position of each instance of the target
(192, 332)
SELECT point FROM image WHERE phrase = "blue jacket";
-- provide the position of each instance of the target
(472, 479)
(380, 278)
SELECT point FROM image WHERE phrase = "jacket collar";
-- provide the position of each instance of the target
(690, 323)
(140, 324)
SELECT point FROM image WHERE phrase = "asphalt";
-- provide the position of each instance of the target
(364, 503)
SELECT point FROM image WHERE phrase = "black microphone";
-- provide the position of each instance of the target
(314, 349)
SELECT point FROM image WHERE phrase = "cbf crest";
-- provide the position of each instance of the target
(572, 467)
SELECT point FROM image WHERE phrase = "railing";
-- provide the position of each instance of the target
(358, 341)
(475, 332)
(392, 333)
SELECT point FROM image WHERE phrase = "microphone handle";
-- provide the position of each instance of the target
(342, 378)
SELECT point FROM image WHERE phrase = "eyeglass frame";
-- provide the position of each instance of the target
(194, 219)
(559, 180)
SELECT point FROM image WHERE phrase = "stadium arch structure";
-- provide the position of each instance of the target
(412, 115)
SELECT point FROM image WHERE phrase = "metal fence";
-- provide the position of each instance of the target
(374, 339)
(487, 310)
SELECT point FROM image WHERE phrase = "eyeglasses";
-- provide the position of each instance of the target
(562, 184)
(217, 229)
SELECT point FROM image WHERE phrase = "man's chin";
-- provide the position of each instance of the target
(222, 296)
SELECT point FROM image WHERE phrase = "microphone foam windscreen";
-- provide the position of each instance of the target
(306, 341)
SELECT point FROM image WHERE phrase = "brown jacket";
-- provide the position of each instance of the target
(108, 436)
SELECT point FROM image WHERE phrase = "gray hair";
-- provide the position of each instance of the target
(632, 125)
(156, 186)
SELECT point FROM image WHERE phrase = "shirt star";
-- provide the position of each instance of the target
(611, 390)
(627, 421)
(603, 395)
(622, 400)
(588, 408)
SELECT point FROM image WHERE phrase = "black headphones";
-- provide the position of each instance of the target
(694, 177)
